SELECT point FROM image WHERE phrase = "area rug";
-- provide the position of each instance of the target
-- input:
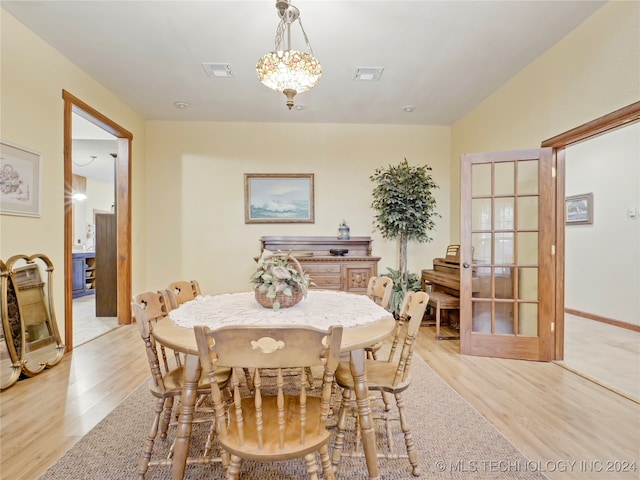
(453, 439)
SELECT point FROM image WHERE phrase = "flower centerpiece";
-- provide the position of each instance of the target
(279, 280)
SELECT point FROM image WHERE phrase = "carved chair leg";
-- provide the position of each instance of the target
(312, 465)
(408, 438)
(233, 472)
(341, 425)
(143, 466)
(225, 457)
(166, 417)
(327, 467)
(334, 407)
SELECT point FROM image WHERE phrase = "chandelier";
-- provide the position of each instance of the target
(286, 70)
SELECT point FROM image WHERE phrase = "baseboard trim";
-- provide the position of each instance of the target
(598, 318)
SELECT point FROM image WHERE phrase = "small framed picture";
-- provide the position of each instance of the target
(278, 198)
(20, 177)
(580, 209)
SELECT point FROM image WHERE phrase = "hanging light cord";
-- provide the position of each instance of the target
(93, 157)
(279, 41)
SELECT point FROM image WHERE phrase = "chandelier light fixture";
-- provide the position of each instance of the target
(286, 70)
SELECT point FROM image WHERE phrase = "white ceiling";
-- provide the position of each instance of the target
(91, 151)
(443, 57)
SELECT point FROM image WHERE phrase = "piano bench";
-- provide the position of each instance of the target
(443, 301)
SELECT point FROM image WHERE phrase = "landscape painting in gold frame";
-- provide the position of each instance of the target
(278, 198)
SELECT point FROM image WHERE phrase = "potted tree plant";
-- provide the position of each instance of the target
(406, 210)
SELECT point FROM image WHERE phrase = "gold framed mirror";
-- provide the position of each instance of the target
(31, 278)
(10, 331)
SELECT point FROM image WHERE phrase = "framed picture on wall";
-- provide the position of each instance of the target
(20, 177)
(278, 198)
(580, 209)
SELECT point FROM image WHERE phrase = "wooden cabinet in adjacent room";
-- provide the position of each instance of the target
(84, 273)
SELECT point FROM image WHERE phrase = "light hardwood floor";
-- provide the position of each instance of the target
(552, 415)
(605, 353)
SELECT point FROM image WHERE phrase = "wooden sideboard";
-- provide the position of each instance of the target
(349, 273)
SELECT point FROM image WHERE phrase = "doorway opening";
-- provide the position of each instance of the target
(120, 208)
(597, 329)
(93, 165)
(602, 256)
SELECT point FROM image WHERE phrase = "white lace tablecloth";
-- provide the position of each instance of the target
(320, 309)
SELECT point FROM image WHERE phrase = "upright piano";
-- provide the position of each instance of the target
(443, 283)
(445, 275)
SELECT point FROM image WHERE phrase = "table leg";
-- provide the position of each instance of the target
(191, 375)
(357, 363)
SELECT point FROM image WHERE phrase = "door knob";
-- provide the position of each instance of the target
(466, 265)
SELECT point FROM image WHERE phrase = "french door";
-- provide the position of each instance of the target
(507, 268)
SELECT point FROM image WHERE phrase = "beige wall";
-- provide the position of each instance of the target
(592, 71)
(195, 191)
(33, 76)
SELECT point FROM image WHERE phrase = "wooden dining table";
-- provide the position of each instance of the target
(364, 323)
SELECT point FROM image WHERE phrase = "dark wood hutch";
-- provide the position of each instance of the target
(349, 272)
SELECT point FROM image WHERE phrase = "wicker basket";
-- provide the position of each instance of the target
(284, 300)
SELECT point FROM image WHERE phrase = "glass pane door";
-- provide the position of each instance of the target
(506, 207)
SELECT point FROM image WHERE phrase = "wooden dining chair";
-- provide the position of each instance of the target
(165, 383)
(279, 420)
(391, 379)
(181, 291)
(379, 290)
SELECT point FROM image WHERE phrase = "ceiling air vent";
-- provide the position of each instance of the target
(218, 70)
(368, 74)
